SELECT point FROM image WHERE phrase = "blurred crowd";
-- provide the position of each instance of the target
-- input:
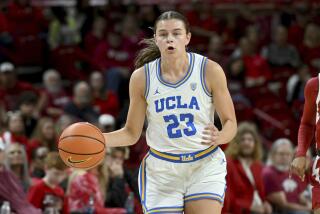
(60, 65)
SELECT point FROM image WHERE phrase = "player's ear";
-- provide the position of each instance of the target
(188, 38)
(155, 39)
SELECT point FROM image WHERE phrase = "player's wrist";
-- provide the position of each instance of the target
(300, 154)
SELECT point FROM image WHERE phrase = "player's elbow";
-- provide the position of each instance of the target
(133, 133)
(234, 128)
(231, 128)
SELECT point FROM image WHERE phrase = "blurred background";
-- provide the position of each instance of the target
(64, 61)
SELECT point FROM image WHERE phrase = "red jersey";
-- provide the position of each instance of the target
(310, 124)
(310, 127)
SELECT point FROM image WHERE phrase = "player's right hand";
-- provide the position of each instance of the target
(298, 166)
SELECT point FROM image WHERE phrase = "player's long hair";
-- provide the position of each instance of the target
(233, 150)
(151, 50)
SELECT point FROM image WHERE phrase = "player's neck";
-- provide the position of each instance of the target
(174, 65)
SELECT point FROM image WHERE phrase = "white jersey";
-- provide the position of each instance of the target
(178, 113)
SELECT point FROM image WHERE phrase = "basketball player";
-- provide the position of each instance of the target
(310, 127)
(178, 91)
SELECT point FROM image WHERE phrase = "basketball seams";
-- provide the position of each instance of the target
(80, 153)
(97, 130)
(84, 136)
(76, 135)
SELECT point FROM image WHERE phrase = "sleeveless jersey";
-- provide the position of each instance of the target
(318, 116)
(177, 113)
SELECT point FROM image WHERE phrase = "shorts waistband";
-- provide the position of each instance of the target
(183, 158)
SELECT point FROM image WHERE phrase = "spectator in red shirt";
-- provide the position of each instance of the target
(203, 24)
(245, 192)
(285, 193)
(47, 194)
(310, 49)
(113, 57)
(16, 161)
(97, 34)
(296, 30)
(71, 61)
(56, 97)
(104, 101)
(11, 88)
(257, 71)
(27, 24)
(131, 33)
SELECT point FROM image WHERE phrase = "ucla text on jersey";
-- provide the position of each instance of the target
(177, 112)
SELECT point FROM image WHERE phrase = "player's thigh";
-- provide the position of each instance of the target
(203, 206)
(161, 186)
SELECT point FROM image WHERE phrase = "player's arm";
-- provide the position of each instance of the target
(308, 120)
(217, 84)
(306, 129)
(131, 132)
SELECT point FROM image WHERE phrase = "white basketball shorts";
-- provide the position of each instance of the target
(167, 181)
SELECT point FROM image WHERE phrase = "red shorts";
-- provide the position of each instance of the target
(315, 182)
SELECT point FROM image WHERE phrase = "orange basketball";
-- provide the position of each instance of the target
(82, 145)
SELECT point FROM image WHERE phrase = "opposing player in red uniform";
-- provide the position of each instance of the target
(310, 127)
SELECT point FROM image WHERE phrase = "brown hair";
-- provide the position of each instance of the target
(151, 51)
(53, 160)
(244, 128)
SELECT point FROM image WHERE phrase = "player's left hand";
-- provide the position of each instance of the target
(298, 166)
(211, 135)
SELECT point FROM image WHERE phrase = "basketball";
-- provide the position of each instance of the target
(82, 145)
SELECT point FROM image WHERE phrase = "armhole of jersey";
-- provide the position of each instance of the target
(318, 96)
(203, 76)
(146, 72)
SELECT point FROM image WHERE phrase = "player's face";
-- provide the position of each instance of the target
(171, 37)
